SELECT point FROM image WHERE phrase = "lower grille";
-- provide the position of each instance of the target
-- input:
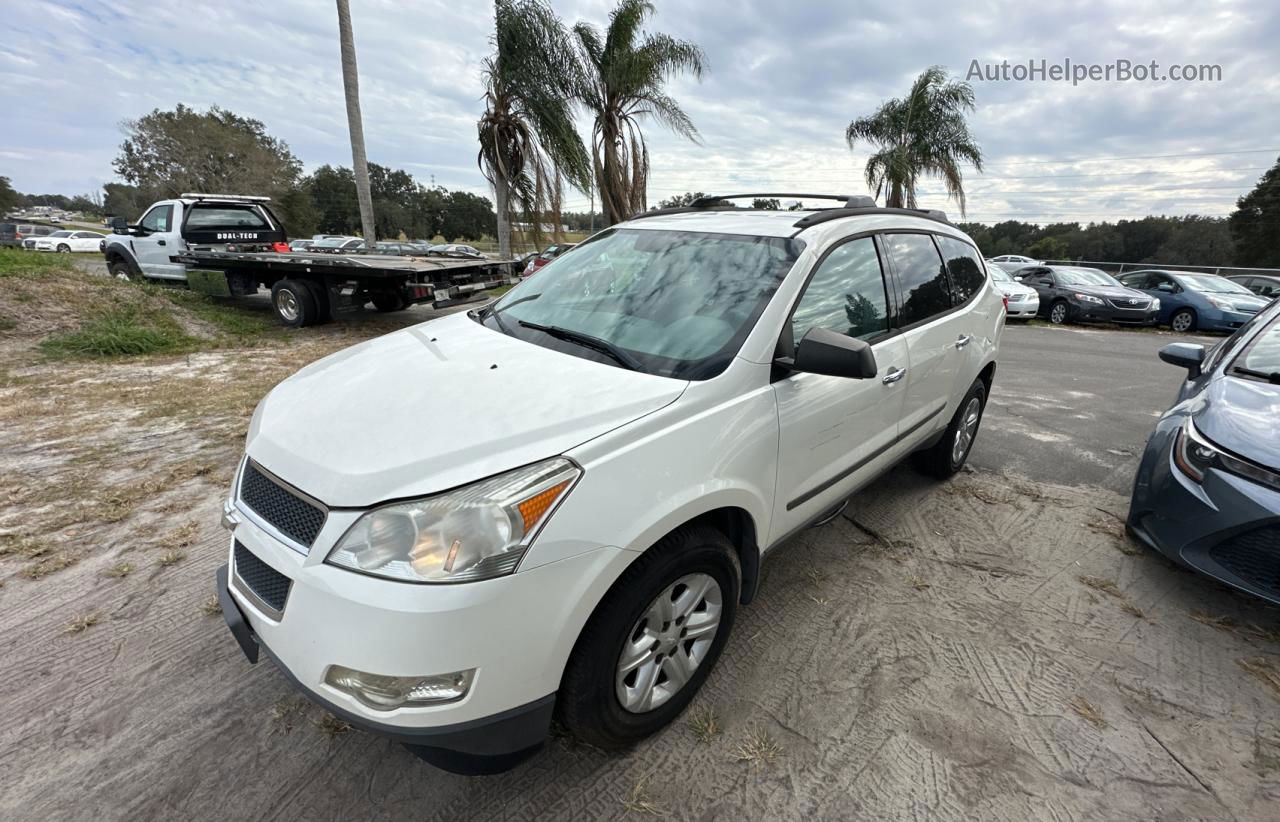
(1254, 556)
(266, 583)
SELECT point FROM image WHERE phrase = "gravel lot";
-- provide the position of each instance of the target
(989, 648)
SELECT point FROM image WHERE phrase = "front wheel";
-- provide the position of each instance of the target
(653, 640)
(948, 455)
(1058, 313)
(1183, 320)
(63, 248)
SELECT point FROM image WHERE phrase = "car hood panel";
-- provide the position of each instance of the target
(1242, 416)
(436, 406)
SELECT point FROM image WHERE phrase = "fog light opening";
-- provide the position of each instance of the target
(386, 693)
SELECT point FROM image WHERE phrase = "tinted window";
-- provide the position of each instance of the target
(846, 294)
(1139, 280)
(158, 218)
(922, 278)
(230, 217)
(964, 266)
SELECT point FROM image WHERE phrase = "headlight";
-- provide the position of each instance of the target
(1195, 455)
(475, 532)
(1220, 304)
(1155, 303)
(1088, 298)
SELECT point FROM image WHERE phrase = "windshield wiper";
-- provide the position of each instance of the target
(1272, 377)
(587, 341)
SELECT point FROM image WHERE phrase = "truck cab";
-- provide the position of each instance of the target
(209, 222)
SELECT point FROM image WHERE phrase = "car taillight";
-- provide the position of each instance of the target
(1005, 297)
(283, 248)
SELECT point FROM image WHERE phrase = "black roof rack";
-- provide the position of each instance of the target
(836, 213)
(716, 202)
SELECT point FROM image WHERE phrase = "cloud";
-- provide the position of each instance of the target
(784, 81)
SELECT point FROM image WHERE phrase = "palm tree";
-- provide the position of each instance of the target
(351, 84)
(627, 71)
(528, 141)
(925, 133)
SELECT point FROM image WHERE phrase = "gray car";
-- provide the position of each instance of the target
(1207, 493)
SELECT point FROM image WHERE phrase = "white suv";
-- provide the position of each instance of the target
(554, 505)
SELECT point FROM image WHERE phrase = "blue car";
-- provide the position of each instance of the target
(1207, 493)
(1191, 302)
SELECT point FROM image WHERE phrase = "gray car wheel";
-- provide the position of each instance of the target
(1058, 313)
(1183, 320)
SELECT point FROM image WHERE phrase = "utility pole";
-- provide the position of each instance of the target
(351, 85)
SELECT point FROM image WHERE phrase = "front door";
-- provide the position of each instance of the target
(158, 240)
(836, 433)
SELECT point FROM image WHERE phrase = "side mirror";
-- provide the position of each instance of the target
(1046, 282)
(119, 225)
(1187, 355)
(823, 351)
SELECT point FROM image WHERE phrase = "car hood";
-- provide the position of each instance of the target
(1242, 416)
(1241, 302)
(436, 406)
(1009, 289)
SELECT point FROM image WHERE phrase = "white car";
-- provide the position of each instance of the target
(629, 434)
(1012, 262)
(67, 241)
(1023, 301)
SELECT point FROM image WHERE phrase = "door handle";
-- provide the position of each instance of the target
(159, 242)
(894, 375)
(964, 340)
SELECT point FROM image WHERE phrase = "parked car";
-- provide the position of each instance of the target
(1190, 301)
(9, 236)
(1082, 295)
(300, 245)
(398, 249)
(1023, 301)
(338, 245)
(455, 250)
(1264, 285)
(1012, 262)
(644, 421)
(67, 241)
(1207, 492)
(548, 254)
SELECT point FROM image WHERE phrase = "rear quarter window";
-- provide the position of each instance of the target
(922, 278)
(965, 267)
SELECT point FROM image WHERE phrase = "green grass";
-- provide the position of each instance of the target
(30, 264)
(240, 324)
(119, 331)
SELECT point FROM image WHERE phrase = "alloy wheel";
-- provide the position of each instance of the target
(1181, 322)
(1058, 313)
(966, 431)
(668, 643)
(287, 304)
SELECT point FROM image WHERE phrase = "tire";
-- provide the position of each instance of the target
(63, 248)
(948, 455)
(294, 304)
(121, 270)
(592, 692)
(387, 301)
(1059, 312)
(1183, 321)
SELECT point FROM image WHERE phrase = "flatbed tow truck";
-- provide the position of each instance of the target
(230, 245)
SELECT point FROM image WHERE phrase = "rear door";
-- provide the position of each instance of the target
(935, 338)
(158, 240)
(835, 433)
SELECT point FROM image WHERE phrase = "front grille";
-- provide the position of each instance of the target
(1254, 556)
(268, 584)
(1126, 302)
(288, 513)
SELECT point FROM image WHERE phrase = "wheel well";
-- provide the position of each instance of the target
(740, 529)
(988, 376)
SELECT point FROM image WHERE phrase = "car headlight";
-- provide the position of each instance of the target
(1088, 298)
(1220, 304)
(1195, 455)
(475, 532)
(1155, 303)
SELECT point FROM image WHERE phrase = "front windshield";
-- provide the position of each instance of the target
(1084, 276)
(1000, 274)
(677, 303)
(1212, 284)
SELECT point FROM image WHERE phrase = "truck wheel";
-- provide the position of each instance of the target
(385, 301)
(123, 271)
(294, 303)
(653, 640)
(948, 455)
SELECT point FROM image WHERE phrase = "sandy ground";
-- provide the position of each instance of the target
(993, 647)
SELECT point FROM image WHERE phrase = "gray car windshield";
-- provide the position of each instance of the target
(1084, 276)
(674, 303)
(1000, 274)
(1212, 284)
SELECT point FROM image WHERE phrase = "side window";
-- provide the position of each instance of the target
(846, 294)
(922, 278)
(964, 266)
(1134, 280)
(158, 218)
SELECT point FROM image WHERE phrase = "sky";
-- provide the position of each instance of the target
(784, 80)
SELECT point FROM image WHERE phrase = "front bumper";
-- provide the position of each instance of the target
(1219, 320)
(1023, 310)
(516, 631)
(1094, 313)
(1226, 527)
